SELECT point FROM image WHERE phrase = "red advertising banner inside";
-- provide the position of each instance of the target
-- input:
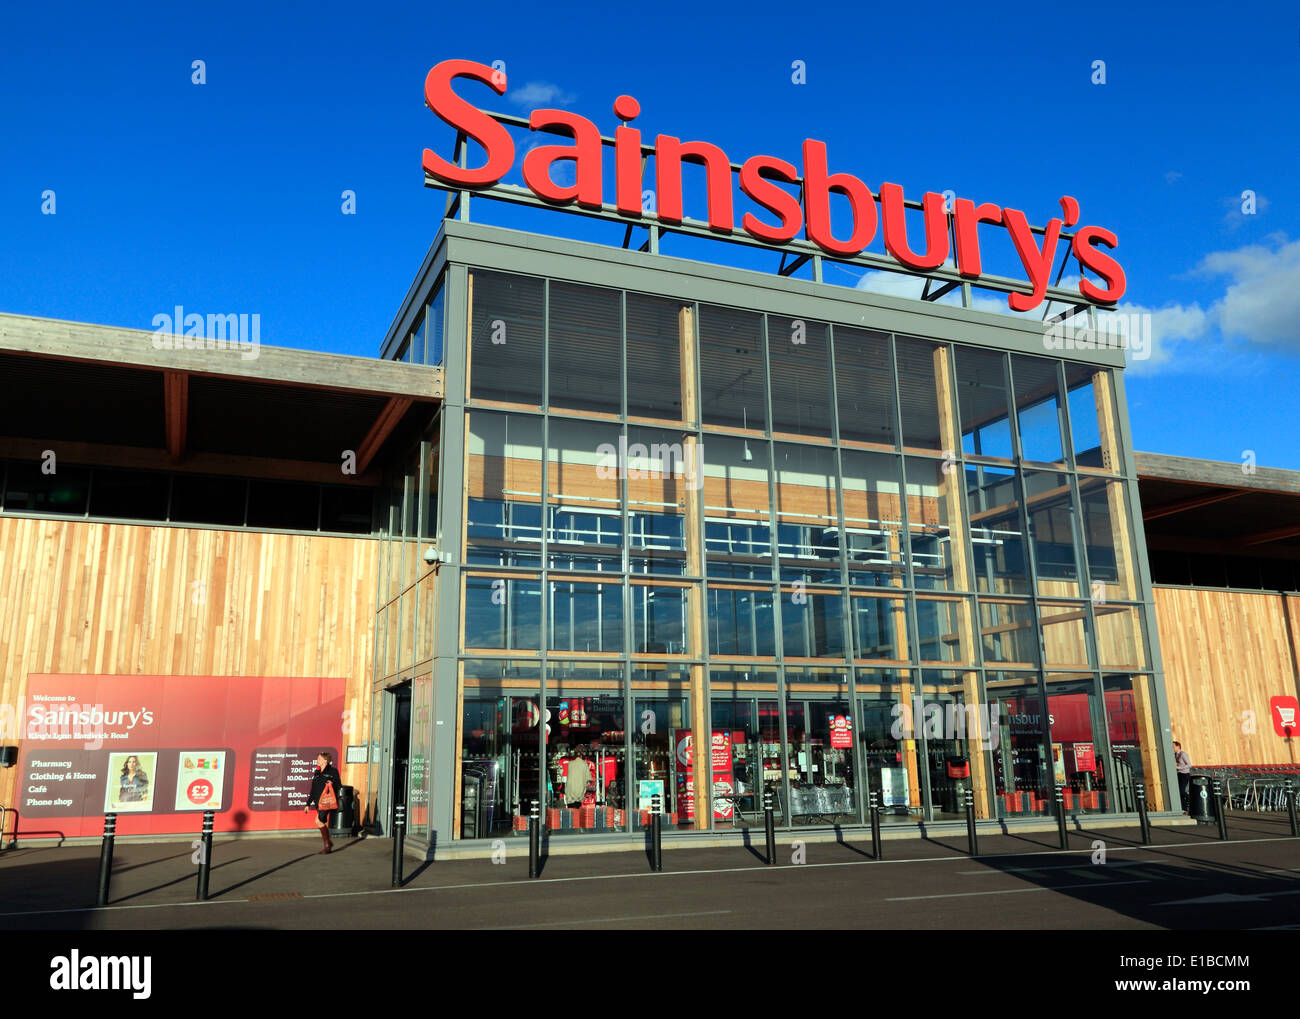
(159, 750)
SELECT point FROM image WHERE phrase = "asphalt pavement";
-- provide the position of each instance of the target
(1188, 879)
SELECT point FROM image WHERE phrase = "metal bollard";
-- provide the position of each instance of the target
(1060, 818)
(1219, 814)
(656, 833)
(534, 839)
(1140, 793)
(205, 857)
(106, 858)
(399, 840)
(875, 826)
(1290, 807)
(971, 837)
(769, 827)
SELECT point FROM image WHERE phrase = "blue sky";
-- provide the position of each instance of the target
(226, 197)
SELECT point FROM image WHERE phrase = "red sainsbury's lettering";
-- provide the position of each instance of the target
(760, 179)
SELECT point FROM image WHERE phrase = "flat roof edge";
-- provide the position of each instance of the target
(138, 348)
(507, 250)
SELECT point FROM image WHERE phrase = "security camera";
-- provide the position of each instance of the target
(431, 554)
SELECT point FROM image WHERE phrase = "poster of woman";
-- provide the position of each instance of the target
(130, 782)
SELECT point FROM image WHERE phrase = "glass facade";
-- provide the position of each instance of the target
(855, 563)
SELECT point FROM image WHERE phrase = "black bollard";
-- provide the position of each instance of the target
(875, 826)
(1220, 814)
(205, 857)
(1140, 794)
(1060, 818)
(970, 823)
(1290, 807)
(106, 858)
(534, 840)
(769, 827)
(656, 833)
(399, 840)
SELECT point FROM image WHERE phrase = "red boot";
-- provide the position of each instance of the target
(325, 838)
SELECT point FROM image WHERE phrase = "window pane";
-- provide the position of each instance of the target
(1106, 543)
(654, 363)
(283, 504)
(586, 617)
(199, 500)
(997, 534)
(731, 368)
(808, 540)
(1063, 628)
(737, 527)
(417, 340)
(880, 628)
(504, 525)
(873, 518)
(919, 362)
(1007, 632)
(347, 509)
(134, 494)
(801, 378)
(812, 624)
(942, 627)
(65, 491)
(659, 472)
(864, 382)
(437, 313)
(584, 508)
(585, 357)
(659, 620)
(1085, 414)
(934, 524)
(1038, 408)
(502, 613)
(1053, 528)
(506, 339)
(741, 622)
(982, 400)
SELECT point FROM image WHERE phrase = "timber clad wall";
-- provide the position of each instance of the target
(1224, 653)
(121, 599)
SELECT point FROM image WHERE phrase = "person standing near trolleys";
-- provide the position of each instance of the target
(1183, 765)
(324, 796)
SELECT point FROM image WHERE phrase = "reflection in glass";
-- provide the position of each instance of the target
(1053, 531)
(982, 401)
(873, 518)
(1038, 408)
(997, 534)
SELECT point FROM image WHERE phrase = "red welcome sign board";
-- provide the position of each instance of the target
(159, 750)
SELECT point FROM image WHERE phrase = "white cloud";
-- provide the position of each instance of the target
(1262, 302)
(1258, 311)
(539, 94)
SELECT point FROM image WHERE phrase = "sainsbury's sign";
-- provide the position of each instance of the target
(760, 177)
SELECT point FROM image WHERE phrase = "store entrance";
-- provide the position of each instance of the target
(570, 758)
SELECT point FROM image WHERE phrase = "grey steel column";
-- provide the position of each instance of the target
(446, 646)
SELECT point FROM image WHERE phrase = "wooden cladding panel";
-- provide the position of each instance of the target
(1225, 653)
(121, 599)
